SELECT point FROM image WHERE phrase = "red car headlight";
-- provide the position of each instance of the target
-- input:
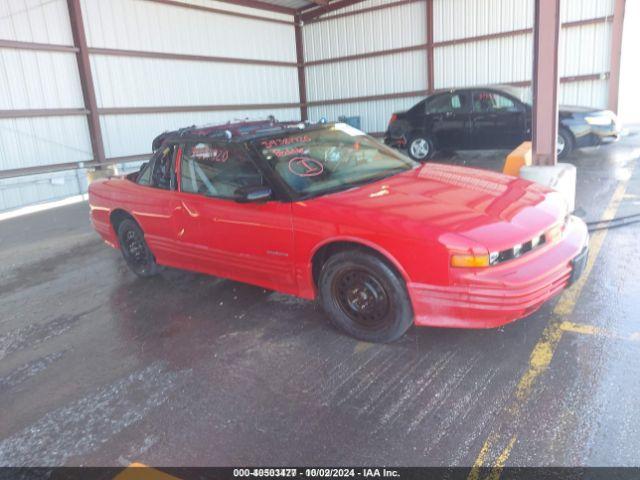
(555, 232)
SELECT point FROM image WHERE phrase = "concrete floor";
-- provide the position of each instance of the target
(101, 368)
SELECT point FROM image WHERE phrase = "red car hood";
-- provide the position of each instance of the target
(495, 210)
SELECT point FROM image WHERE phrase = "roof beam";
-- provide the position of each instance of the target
(329, 7)
(221, 11)
(312, 4)
(262, 6)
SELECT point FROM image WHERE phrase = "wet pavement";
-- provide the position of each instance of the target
(98, 367)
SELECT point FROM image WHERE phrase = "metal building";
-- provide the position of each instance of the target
(86, 83)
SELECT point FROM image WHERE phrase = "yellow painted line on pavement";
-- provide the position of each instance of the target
(500, 462)
(541, 356)
(362, 347)
(498, 465)
(140, 471)
(582, 328)
(597, 331)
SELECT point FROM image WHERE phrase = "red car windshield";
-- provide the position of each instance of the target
(330, 159)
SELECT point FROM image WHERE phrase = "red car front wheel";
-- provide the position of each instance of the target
(365, 297)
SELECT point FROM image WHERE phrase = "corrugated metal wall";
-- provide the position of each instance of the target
(497, 57)
(146, 82)
(32, 79)
(390, 28)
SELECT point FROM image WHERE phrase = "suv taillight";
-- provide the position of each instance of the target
(393, 118)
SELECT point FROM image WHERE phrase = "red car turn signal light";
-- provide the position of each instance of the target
(469, 261)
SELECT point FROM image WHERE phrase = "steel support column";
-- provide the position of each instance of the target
(86, 79)
(616, 54)
(430, 72)
(302, 81)
(545, 81)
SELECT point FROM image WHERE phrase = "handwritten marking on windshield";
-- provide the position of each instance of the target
(305, 167)
(280, 142)
(288, 151)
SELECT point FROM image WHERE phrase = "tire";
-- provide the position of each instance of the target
(135, 250)
(420, 147)
(365, 297)
(566, 140)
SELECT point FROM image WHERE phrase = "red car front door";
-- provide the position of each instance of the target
(248, 242)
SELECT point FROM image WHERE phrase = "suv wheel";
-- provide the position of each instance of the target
(365, 297)
(420, 148)
(564, 143)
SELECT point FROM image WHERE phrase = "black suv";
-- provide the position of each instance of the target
(489, 118)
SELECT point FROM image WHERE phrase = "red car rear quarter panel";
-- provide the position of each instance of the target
(101, 206)
(247, 242)
(145, 204)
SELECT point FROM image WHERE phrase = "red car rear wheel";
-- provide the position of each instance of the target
(135, 250)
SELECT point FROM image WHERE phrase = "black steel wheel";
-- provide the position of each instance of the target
(361, 297)
(135, 250)
(364, 296)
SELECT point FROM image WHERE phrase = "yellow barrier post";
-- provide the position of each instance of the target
(517, 159)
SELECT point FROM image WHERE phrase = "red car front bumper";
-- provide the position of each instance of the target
(491, 297)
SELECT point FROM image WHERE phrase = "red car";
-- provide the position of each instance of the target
(325, 211)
